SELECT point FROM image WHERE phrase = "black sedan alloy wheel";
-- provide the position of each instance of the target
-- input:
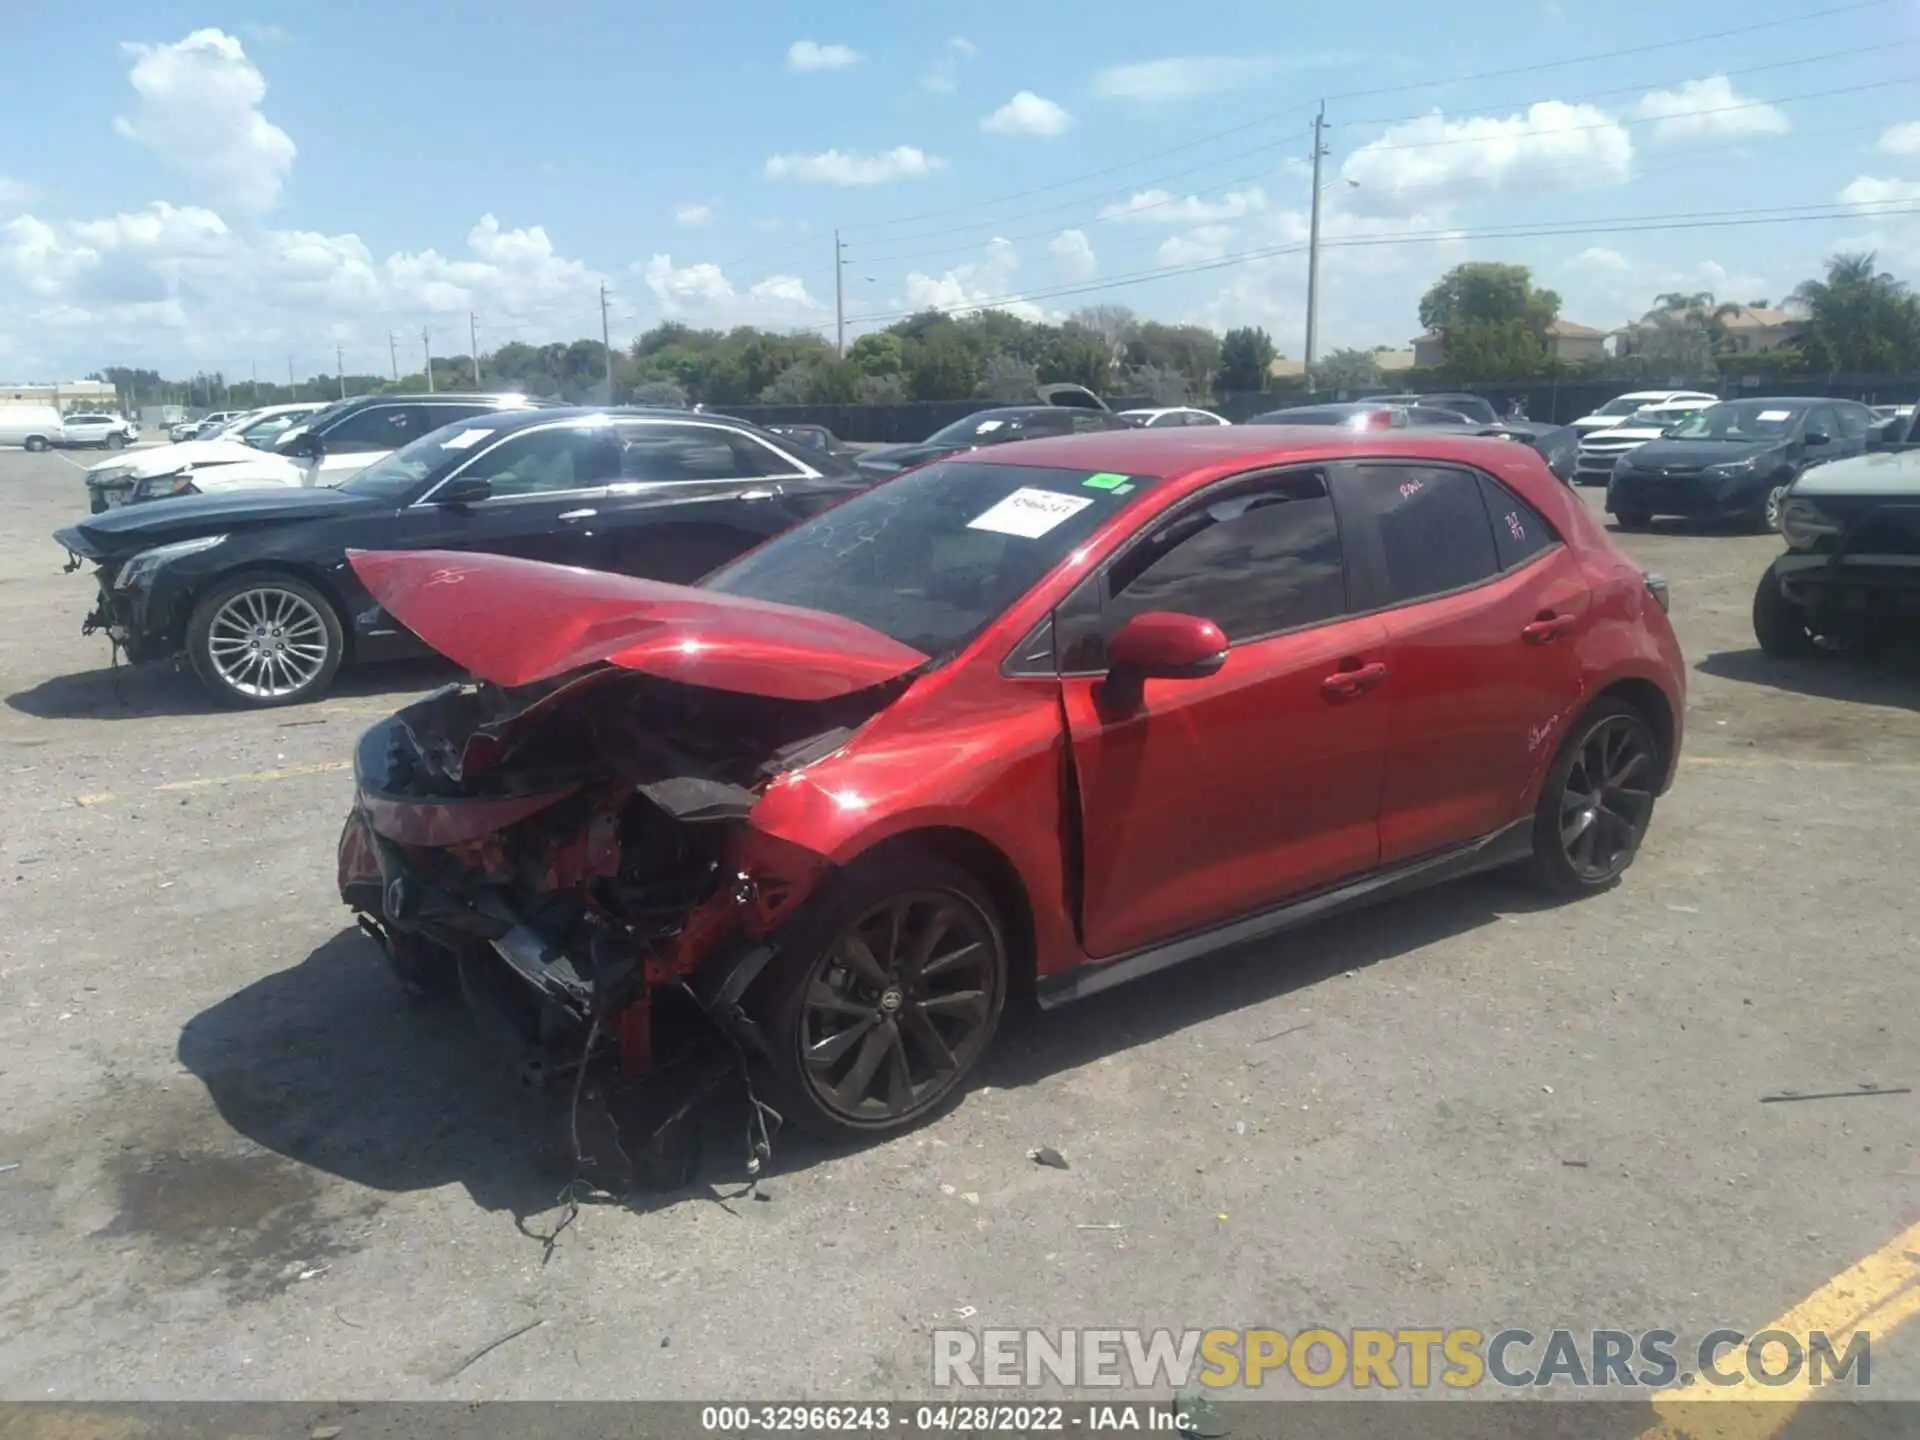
(899, 1006)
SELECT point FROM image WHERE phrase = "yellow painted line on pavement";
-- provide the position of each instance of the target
(254, 777)
(1877, 1295)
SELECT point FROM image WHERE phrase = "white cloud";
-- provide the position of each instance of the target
(1708, 109)
(812, 55)
(1073, 253)
(1901, 139)
(199, 111)
(835, 167)
(1196, 247)
(1870, 191)
(1434, 161)
(1027, 114)
(693, 213)
(702, 294)
(942, 77)
(176, 287)
(969, 287)
(1180, 77)
(14, 195)
(1600, 260)
(1162, 208)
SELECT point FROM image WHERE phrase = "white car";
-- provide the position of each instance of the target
(1172, 416)
(205, 426)
(37, 427)
(171, 469)
(1621, 406)
(1599, 449)
(109, 432)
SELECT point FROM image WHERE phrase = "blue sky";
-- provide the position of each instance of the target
(204, 184)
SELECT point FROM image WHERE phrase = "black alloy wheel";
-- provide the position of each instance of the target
(1598, 800)
(885, 998)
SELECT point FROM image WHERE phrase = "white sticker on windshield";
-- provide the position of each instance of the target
(987, 426)
(1776, 414)
(1029, 513)
(466, 439)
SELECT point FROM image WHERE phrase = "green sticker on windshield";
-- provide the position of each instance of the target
(1105, 480)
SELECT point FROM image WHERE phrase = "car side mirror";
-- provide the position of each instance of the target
(465, 490)
(1818, 437)
(306, 446)
(1160, 645)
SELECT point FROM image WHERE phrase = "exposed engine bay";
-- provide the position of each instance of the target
(575, 859)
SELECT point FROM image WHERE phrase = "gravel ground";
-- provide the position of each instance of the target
(245, 1170)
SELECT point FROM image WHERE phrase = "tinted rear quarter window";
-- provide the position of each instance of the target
(1432, 526)
(1519, 532)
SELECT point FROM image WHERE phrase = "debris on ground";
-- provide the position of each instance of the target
(1109, 1226)
(1291, 1029)
(1574, 1164)
(491, 1346)
(10, 1165)
(1047, 1155)
(1790, 1095)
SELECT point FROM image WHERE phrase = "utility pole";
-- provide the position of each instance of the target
(839, 295)
(293, 390)
(393, 354)
(606, 342)
(426, 347)
(340, 367)
(253, 388)
(473, 345)
(1313, 242)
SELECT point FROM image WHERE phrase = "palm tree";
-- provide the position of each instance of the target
(1860, 320)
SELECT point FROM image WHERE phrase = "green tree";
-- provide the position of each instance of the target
(1190, 350)
(881, 353)
(1491, 319)
(1347, 369)
(1077, 357)
(1246, 360)
(942, 367)
(1860, 320)
(1007, 378)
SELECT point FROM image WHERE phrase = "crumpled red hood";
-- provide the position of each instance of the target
(516, 622)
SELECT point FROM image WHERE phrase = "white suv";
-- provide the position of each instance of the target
(109, 432)
(1621, 406)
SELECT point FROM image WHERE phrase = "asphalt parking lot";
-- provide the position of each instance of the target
(233, 1164)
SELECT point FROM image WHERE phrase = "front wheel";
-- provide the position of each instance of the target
(884, 997)
(116, 442)
(1598, 800)
(1780, 624)
(264, 640)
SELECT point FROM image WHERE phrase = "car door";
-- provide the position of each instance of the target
(547, 487)
(688, 496)
(1484, 608)
(1221, 796)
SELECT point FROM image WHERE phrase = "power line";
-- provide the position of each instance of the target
(1697, 220)
(1588, 58)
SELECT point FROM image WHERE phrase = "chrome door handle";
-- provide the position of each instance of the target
(578, 514)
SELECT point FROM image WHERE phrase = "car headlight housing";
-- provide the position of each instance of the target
(1734, 468)
(1803, 524)
(108, 474)
(160, 487)
(142, 567)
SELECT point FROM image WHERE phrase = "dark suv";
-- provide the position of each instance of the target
(350, 436)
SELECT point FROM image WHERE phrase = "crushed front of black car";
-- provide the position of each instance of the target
(143, 599)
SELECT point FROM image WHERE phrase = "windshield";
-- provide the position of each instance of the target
(423, 461)
(262, 432)
(1625, 405)
(998, 425)
(933, 557)
(1740, 420)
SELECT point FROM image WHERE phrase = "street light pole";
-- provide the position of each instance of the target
(426, 348)
(606, 342)
(839, 295)
(473, 344)
(340, 367)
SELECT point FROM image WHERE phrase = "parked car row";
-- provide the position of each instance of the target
(42, 427)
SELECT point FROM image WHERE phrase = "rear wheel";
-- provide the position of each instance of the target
(1598, 800)
(36, 443)
(1780, 624)
(263, 640)
(884, 997)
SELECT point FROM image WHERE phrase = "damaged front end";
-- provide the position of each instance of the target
(576, 858)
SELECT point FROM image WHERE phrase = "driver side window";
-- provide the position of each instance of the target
(548, 462)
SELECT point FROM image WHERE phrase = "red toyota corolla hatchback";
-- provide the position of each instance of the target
(1053, 715)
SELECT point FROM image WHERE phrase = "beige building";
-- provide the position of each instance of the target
(1748, 330)
(1567, 342)
(61, 394)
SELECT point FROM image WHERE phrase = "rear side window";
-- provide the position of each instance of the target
(1432, 526)
(1854, 420)
(1519, 533)
(1256, 560)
